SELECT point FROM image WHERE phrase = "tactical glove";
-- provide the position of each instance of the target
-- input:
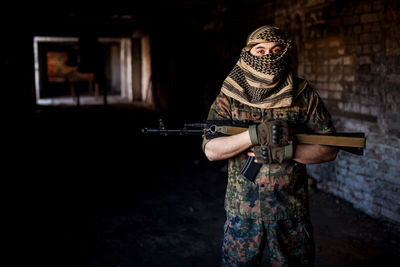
(269, 133)
(273, 154)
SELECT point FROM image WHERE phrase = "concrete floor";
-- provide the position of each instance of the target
(177, 219)
(107, 196)
(179, 223)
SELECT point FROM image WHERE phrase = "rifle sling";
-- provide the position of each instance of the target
(308, 138)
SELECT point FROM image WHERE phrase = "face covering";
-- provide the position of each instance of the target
(262, 81)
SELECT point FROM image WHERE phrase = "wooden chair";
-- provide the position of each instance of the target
(76, 76)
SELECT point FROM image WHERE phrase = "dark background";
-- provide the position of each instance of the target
(84, 187)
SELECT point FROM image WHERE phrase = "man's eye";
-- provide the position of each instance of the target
(261, 51)
(277, 51)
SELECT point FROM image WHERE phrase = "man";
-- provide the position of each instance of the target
(272, 211)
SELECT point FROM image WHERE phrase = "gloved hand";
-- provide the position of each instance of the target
(273, 154)
(269, 133)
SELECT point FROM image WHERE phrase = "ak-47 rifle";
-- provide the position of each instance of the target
(350, 142)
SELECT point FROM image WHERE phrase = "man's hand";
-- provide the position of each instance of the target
(308, 154)
(271, 142)
(273, 154)
(269, 133)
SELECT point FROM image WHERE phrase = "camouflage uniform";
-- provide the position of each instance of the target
(289, 242)
(275, 205)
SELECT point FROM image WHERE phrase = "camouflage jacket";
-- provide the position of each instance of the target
(279, 190)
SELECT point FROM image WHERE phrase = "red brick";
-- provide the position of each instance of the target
(367, 49)
(323, 94)
(348, 60)
(351, 20)
(357, 29)
(335, 77)
(370, 37)
(334, 43)
(364, 60)
(348, 69)
(376, 47)
(364, 7)
(335, 86)
(371, 17)
(335, 95)
(377, 6)
(349, 78)
(376, 27)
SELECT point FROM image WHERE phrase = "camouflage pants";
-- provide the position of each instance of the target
(289, 242)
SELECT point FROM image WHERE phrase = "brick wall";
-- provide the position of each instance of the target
(350, 52)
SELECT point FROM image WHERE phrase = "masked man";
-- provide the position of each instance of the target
(272, 210)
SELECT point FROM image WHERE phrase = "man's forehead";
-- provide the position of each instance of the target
(267, 44)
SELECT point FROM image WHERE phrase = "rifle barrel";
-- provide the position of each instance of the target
(173, 131)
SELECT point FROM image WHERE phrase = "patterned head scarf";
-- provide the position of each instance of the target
(262, 81)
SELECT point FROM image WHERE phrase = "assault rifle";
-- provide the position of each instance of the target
(350, 142)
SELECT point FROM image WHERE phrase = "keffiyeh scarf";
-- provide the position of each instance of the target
(262, 81)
